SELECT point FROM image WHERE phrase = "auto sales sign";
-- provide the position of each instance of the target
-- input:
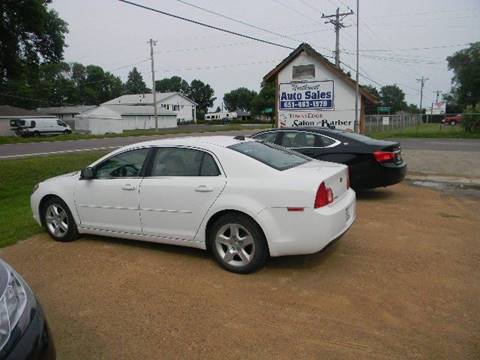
(308, 95)
(312, 103)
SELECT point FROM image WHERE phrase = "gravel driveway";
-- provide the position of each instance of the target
(403, 283)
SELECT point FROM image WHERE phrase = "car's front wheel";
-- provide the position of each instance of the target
(58, 220)
(238, 244)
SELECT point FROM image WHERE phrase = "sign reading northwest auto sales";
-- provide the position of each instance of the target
(311, 103)
(309, 95)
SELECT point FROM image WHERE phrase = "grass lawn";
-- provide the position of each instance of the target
(17, 178)
(180, 130)
(425, 131)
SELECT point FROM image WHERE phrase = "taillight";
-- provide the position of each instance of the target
(324, 196)
(383, 156)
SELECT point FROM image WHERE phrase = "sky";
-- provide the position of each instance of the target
(400, 41)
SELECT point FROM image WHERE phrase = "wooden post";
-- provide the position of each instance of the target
(362, 116)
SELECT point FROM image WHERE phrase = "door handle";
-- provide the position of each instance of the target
(203, 188)
(128, 187)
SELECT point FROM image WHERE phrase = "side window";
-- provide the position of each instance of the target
(61, 123)
(33, 124)
(209, 166)
(183, 162)
(325, 141)
(297, 139)
(127, 164)
(267, 137)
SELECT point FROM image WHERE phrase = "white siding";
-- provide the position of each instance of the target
(186, 110)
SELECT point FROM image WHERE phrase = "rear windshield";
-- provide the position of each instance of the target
(358, 137)
(272, 155)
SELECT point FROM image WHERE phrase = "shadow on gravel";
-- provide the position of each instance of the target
(375, 194)
(181, 250)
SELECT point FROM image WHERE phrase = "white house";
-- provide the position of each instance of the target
(117, 118)
(182, 106)
(312, 91)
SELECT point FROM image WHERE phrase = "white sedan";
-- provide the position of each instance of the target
(241, 199)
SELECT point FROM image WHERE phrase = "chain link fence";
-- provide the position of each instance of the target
(391, 122)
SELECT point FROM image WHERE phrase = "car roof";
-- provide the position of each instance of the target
(200, 141)
(319, 130)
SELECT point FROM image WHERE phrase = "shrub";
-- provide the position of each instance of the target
(471, 119)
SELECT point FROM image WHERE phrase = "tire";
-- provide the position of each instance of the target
(242, 253)
(36, 134)
(453, 123)
(66, 132)
(58, 220)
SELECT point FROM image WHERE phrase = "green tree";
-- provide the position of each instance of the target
(135, 83)
(264, 99)
(98, 86)
(202, 94)
(471, 119)
(393, 97)
(371, 108)
(172, 84)
(30, 35)
(240, 98)
(465, 65)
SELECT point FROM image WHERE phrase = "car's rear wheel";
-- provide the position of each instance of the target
(58, 220)
(453, 123)
(238, 244)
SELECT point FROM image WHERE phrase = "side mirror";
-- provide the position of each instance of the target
(87, 173)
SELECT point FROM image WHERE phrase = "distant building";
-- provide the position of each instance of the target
(8, 113)
(221, 115)
(117, 118)
(66, 113)
(184, 108)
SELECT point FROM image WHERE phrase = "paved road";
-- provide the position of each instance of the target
(8, 151)
(441, 144)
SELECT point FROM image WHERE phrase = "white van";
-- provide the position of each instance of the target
(39, 126)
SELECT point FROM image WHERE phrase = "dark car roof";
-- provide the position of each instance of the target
(342, 135)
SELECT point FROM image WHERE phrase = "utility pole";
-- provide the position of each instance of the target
(422, 84)
(154, 92)
(336, 20)
(356, 124)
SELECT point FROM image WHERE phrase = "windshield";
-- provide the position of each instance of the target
(274, 156)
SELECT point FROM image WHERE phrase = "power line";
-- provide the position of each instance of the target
(206, 25)
(236, 20)
(296, 11)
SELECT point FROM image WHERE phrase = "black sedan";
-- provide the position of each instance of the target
(372, 163)
(24, 332)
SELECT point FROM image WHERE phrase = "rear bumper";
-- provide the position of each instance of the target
(379, 175)
(308, 231)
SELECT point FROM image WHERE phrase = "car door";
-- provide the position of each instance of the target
(110, 201)
(182, 184)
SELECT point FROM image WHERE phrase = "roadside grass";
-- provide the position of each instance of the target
(179, 130)
(425, 131)
(17, 178)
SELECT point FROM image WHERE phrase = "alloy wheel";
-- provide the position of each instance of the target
(235, 245)
(56, 219)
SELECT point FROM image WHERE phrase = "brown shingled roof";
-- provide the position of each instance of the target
(7, 110)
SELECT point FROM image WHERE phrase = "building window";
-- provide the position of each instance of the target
(304, 72)
(176, 107)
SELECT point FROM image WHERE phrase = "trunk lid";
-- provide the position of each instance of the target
(334, 175)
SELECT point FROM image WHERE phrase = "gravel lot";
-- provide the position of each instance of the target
(403, 283)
